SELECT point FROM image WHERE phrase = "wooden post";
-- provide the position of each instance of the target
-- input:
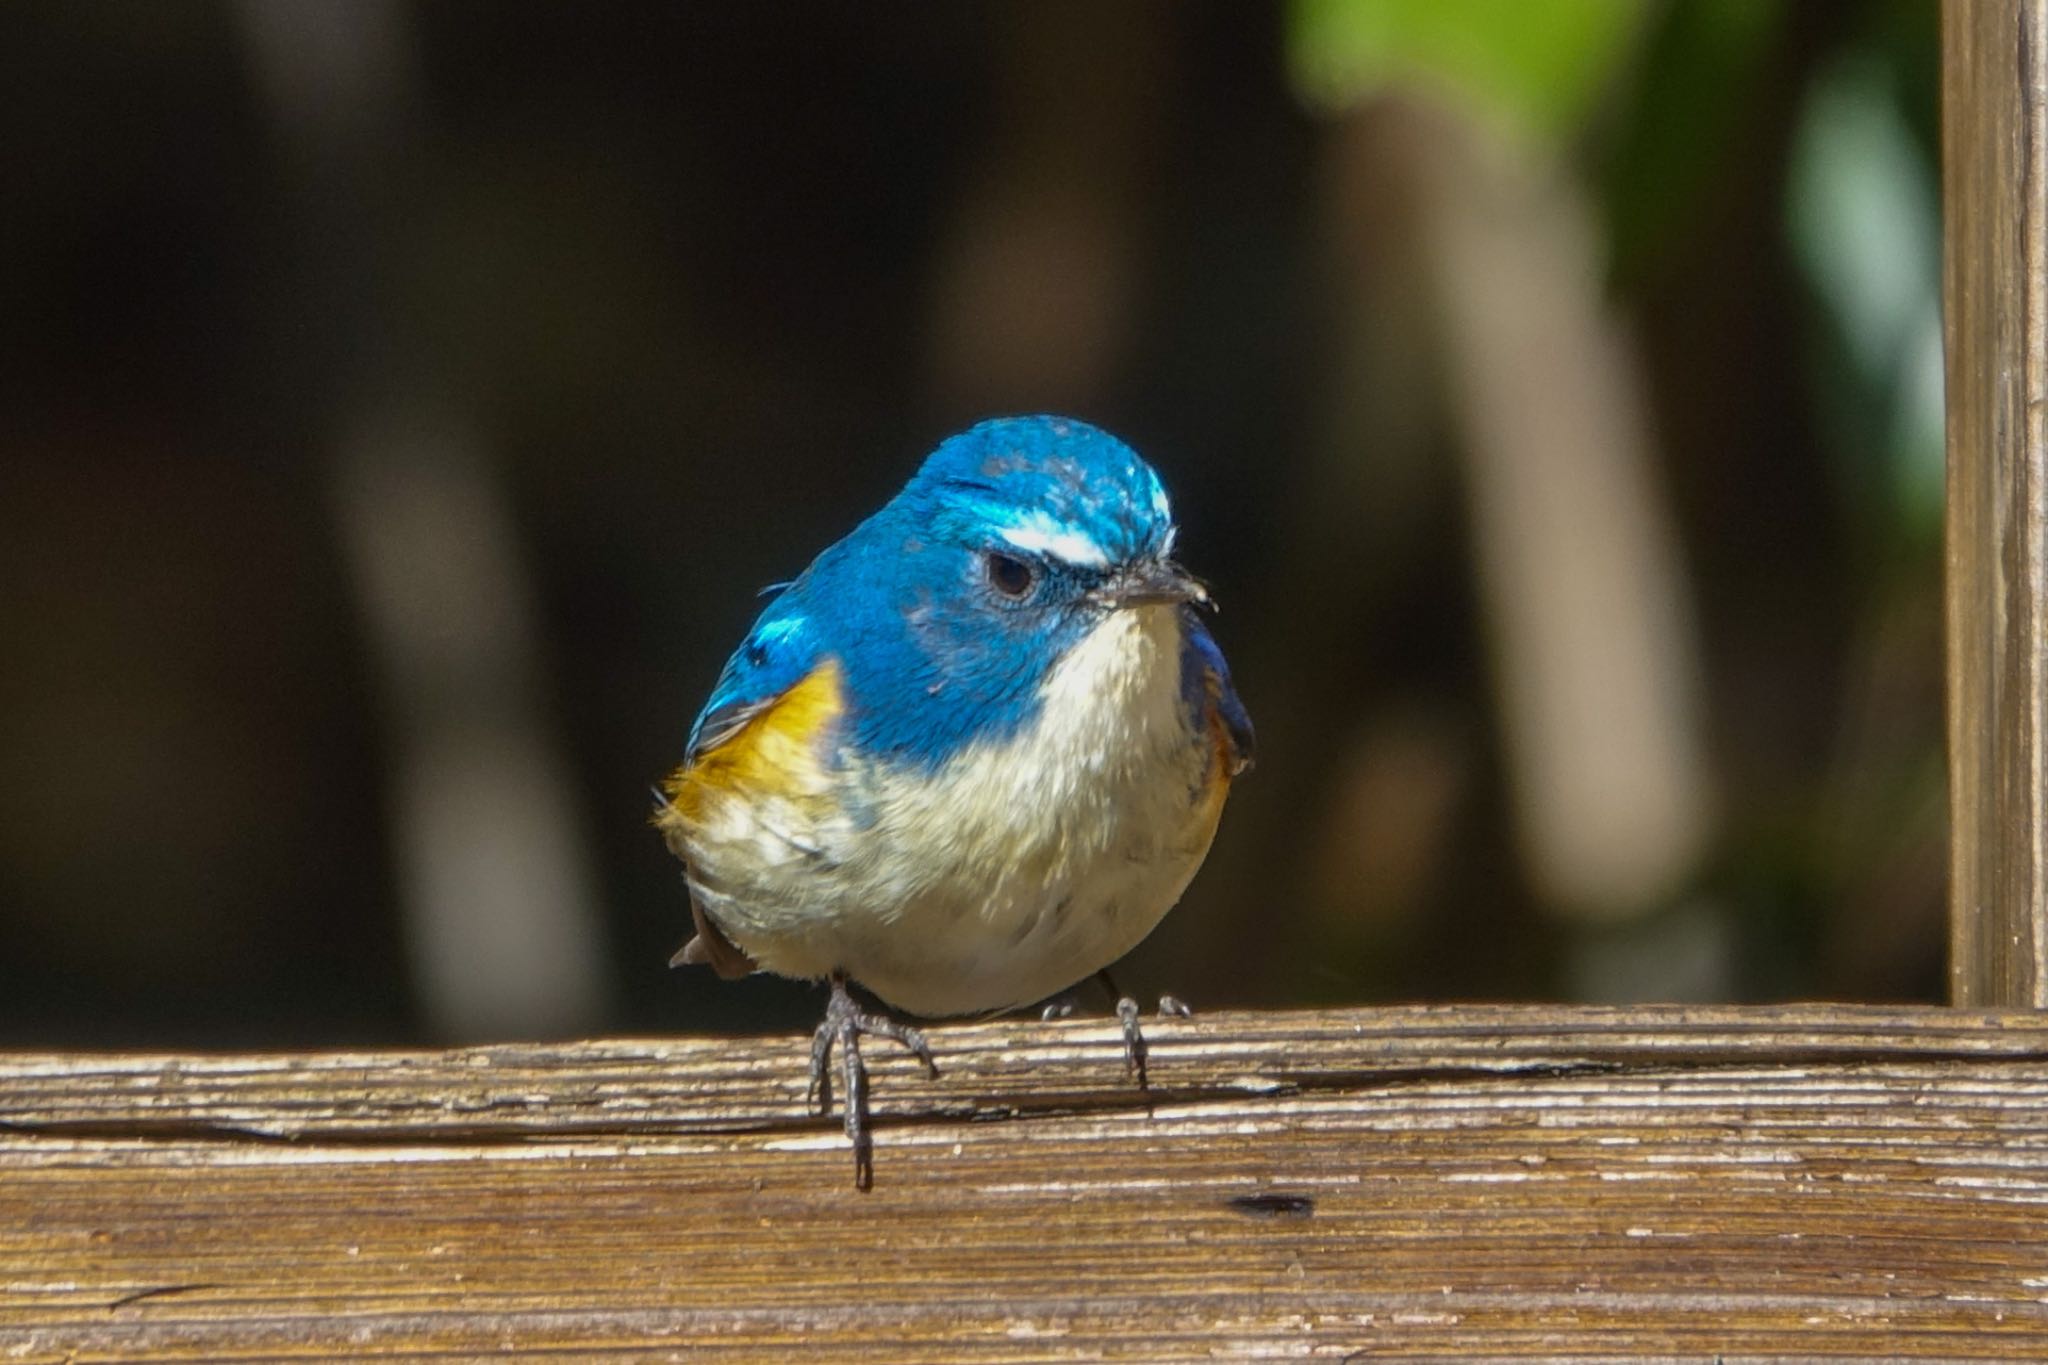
(1995, 203)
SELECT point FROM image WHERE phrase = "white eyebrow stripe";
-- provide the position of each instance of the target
(1041, 536)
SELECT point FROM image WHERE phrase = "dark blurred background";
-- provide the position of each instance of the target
(401, 405)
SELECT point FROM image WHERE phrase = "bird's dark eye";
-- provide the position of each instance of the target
(1007, 574)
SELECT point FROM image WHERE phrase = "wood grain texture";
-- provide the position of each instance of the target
(1995, 284)
(1462, 1183)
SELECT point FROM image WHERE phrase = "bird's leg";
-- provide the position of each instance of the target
(843, 1025)
(1134, 1037)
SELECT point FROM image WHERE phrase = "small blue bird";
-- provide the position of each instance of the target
(970, 756)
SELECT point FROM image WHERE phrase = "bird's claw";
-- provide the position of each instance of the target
(843, 1025)
(1135, 1049)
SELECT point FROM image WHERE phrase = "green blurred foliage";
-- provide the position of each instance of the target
(1689, 96)
(1540, 68)
(1863, 207)
(1766, 178)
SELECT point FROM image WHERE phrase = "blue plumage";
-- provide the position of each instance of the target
(931, 661)
(1205, 681)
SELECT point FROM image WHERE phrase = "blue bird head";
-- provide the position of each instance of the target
(1051, 488)
(946, 608)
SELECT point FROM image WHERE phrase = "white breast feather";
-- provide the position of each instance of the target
(1014, 871)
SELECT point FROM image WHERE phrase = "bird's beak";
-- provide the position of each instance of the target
(1150, 581)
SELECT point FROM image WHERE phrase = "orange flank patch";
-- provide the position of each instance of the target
(774, 755)
(1225, 763)
(1228, 760)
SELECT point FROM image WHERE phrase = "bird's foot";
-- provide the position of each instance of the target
(845, 1021)
(1135, 1050)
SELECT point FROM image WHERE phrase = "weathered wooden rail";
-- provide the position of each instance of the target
(1470, 1183)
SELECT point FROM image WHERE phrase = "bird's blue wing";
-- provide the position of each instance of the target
(778, 653)
(1205, 683)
